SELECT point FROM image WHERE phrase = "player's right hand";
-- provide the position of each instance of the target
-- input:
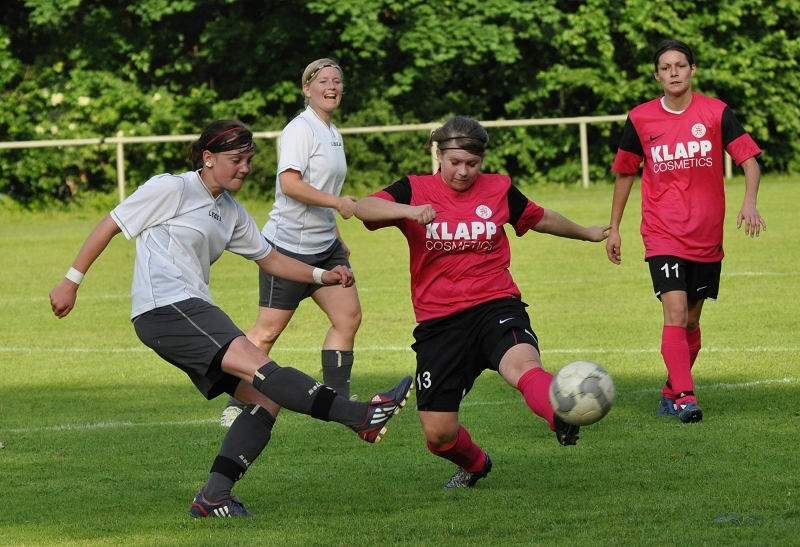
(423, 214)
(613, 247)
(62, 298)
(347, 206)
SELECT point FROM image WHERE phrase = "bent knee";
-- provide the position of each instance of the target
(263, 336)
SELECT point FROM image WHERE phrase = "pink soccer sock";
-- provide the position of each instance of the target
(675, 350)
(693, 339)
(535, 388)
(463, 452)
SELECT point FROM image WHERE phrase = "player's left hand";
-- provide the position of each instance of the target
(339, 275)
(753, 223)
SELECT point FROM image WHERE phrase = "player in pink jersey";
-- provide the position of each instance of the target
(681, 137)
(470, 313)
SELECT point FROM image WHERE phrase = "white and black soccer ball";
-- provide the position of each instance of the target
(582, 393)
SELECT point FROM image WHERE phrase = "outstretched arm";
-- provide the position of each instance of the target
(63, 296)
(372, 209)
(288, 268)
(558, 225)
(753, 223)
(622, 190)
(293, 185)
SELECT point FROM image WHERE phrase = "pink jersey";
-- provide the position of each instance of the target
(461, 259)
(683, 191)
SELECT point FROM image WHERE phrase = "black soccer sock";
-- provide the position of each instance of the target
(336, 368)
(243, 443)
(299, 392)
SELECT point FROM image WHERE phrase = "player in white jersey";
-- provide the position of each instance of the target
(182, 224)
(302, 224)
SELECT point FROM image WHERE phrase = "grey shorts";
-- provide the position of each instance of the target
(281, 294)
(193, 335)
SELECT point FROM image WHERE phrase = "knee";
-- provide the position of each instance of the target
(676, 318)
(439, 440)
(348, 323)
(261, 336)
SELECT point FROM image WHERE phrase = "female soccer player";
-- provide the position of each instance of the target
(470, 313)
(302, 224)
(681, 137)
(182, 224)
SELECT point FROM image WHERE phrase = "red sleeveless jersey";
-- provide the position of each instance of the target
(683, 190)
(461, 259)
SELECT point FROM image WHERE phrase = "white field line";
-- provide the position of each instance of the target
(315, 349)
(115, 425)
(109, 425)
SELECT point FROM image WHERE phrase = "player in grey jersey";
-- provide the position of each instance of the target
(182, 224)
(302, 224)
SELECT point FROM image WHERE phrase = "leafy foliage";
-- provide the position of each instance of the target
(90, 68)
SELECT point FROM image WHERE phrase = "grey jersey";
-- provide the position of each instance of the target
(313, 148)
(180, 230)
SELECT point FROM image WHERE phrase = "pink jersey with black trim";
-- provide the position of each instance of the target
(683, 191)
(461, 259)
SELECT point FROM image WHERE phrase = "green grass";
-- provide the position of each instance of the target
(105, 444)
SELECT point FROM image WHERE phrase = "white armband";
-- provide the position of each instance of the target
(75, 276)
(317, 275)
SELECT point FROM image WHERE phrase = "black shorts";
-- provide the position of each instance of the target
(281, 294)
(193, 335)
(453, 351)
(699, 280)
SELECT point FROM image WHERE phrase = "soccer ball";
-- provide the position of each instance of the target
(582, 393)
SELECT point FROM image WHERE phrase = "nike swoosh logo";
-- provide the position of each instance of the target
(652, 138)
(504, 320)
(701, 288)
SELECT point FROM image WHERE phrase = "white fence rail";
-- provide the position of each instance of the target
(120, 142)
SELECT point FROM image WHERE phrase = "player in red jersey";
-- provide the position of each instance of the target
(681, 137)
(470, 313)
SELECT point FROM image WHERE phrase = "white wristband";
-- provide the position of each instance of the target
(75, 276)
(317, 275)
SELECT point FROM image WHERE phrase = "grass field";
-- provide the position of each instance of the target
(104, 444)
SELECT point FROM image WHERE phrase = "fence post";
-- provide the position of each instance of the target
(121, 171)
(728, 165)
(584, 154)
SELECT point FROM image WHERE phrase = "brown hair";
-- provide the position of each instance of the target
(221, 136)
(460, 133)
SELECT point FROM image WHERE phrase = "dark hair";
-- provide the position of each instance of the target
(221, 136)
(672, 45)
(460, 133)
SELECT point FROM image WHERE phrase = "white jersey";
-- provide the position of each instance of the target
(180, 230)
(310, 146)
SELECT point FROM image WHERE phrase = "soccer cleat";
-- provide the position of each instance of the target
(666, 407)
(465, 479)
(229, 507)
(381, 407)
(230, 414)
(567, 434)
(689, 412)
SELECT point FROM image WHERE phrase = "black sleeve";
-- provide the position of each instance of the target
(630, 139)
(731, 128)
(400, 191)
(517, 202)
